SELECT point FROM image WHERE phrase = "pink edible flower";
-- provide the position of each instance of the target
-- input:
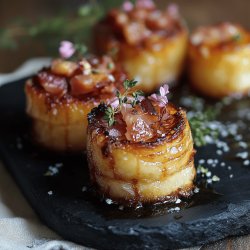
(164, 90)
(146, 4)
(114, 103)
(66, 49)
(162, 98)
(173, 10)
(127, 6)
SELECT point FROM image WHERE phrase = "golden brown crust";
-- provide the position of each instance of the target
(219, 59)
(60, 116)
(146, 171)
(157, 55)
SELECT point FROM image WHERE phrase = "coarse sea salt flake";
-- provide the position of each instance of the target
(242, 155)
(109, 201)
(178, 201)
(246, 163)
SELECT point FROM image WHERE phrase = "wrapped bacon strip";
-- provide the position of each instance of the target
(60, 97)
(219, 60)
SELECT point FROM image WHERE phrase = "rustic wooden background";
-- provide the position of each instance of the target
(196, 12)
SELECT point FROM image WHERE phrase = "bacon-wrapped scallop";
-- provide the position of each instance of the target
(219, 60)
(150, 43)
(60, 97)
(145, 155)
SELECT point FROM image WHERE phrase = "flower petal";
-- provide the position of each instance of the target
(127, 6)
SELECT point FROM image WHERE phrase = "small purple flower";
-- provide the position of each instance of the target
(162, 98)
(164, 90)
(147, 4)
(127, 6)
(114, 103)
(140, 98)
(173, 10)
(66, 49)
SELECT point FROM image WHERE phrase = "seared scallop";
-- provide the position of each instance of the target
(60, 97)
(146, 156)
(150, 43)
(219, 60)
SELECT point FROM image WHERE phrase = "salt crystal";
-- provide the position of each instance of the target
(208, 174)
(215, 178)
(178, 201)
(243, 144)
(109, 201)
(219, 152)
(238, 137)
(210, 161)
(201, 161)
(246, 163)
(242, 155)
(173, 150)
(209, 181)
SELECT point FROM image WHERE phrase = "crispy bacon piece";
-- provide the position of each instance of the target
(64, 68)
(53, 84)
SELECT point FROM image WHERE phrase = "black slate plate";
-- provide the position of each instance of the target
(72, 214)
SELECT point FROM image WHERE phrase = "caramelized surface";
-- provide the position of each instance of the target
(146, 170)
(59, 107)
(149, 43)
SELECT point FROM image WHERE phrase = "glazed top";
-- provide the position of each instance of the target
(93, 79)
(224, 36)
(145, 124)
(142, 25)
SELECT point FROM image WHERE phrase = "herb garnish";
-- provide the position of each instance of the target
(127, 97)
(236, 37)
(75, 24)
(199, 126)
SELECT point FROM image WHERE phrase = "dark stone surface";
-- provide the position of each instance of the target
(75, 216)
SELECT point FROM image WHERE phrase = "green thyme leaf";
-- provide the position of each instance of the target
(129, 84)
(200, 130)
(236, 37)
(109, 116)
(110, 65)
(139, 93)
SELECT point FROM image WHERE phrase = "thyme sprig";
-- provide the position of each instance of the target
(128, 97)
(75, 25)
